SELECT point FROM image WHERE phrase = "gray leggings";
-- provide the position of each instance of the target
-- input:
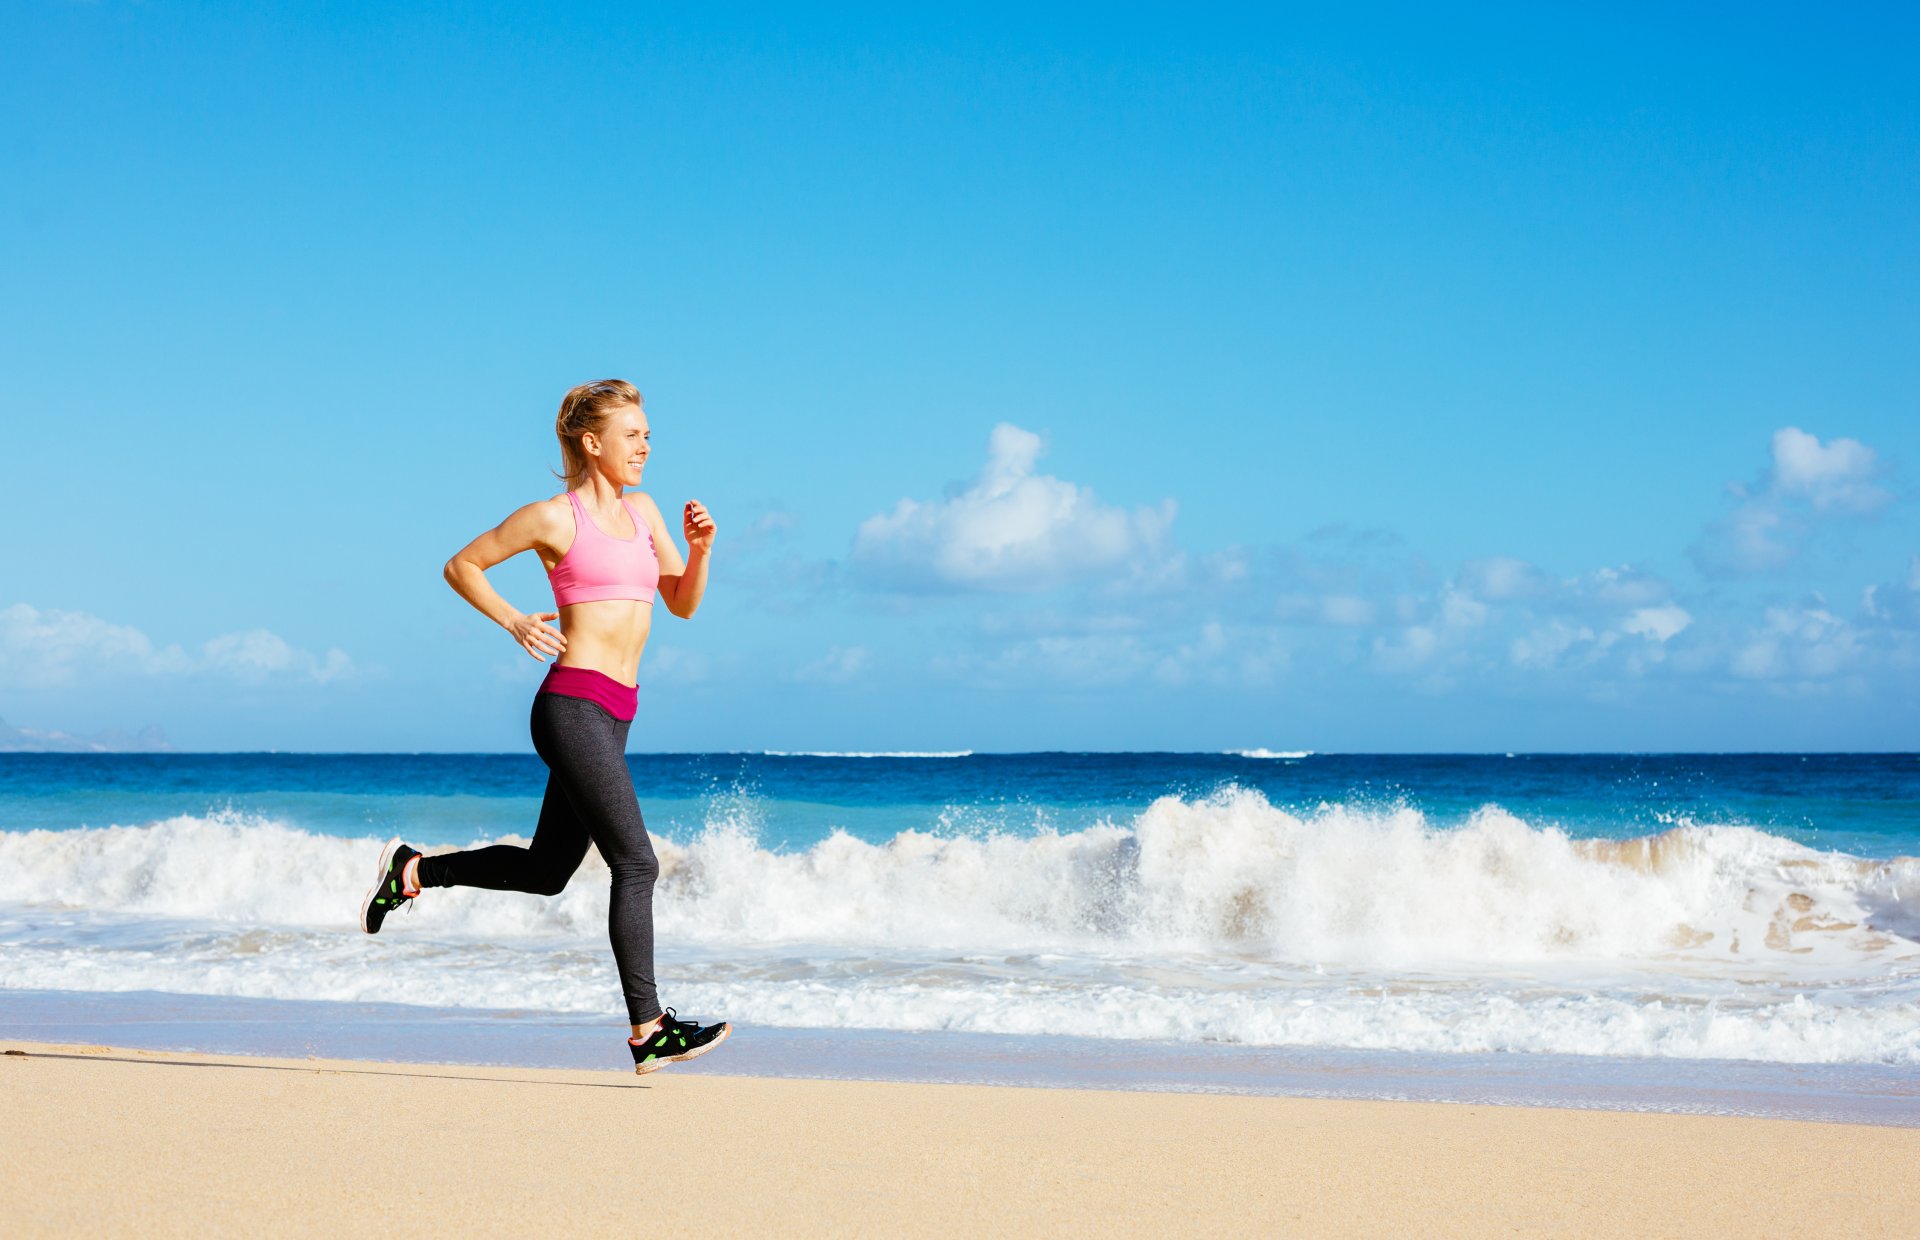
(589, 797)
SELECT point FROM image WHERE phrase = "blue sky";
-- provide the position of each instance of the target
(1388, 379)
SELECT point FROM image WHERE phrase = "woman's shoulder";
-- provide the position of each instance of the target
(543, 514)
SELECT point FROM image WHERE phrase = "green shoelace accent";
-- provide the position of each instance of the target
(395, 896)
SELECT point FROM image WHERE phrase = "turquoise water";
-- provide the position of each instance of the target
(1864, 804)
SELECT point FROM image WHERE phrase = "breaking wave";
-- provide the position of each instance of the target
(1217, 918)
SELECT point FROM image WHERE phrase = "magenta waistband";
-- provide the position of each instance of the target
(620, 701)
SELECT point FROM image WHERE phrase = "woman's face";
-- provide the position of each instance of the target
(622, 445)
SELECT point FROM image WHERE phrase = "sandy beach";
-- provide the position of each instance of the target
(106, 1141)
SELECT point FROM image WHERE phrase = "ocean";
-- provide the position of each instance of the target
(1583, 918)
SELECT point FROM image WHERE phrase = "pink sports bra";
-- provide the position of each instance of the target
(599, 566)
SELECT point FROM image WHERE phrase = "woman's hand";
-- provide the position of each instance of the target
(533, 634)
(699, 527)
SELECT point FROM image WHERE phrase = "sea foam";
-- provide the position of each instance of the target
(1216, 918)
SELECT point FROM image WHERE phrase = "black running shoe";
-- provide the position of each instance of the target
(675, 1041)
(387, 892)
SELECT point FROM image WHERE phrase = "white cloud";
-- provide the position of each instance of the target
(1222, 656)
(1752, 538)
(1009, 529)
(1343, 579)
(1803, 643)
(1806, 483)
(1895, 604)
(1503, 577)
(1544, 646)
(1837, 474)
(50, 647)
(1559, 642)
(1608, 588)
(1341, 598)
(1407, 652)
(1459, 609)
(1504, 613)
(1661, 624)
(259, 654)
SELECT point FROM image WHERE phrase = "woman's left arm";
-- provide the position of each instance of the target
(682, 582)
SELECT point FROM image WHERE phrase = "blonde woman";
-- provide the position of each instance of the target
(608, 555)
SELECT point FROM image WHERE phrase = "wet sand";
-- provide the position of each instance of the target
(103, 1141)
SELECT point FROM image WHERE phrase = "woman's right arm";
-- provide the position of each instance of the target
(532, 526)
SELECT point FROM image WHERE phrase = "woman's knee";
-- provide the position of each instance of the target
(638, 870)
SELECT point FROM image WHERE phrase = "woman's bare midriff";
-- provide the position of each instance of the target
(607, 636)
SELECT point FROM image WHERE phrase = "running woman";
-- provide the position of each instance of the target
(608, 555)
